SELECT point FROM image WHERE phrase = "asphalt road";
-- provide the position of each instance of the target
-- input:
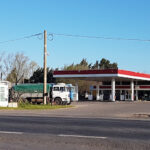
(110, 128)
(83, 133)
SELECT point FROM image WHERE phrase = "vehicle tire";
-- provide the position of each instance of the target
(64, 103)
(58, 101)
(69, 103)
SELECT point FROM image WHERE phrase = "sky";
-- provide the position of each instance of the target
(109, 18)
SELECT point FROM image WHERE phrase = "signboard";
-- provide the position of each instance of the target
(3, 94)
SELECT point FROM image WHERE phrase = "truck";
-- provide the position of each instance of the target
(57, 93)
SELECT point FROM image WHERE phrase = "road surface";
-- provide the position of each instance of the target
(34, 132)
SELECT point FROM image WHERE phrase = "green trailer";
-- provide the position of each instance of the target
(31, 92)
(31, 88)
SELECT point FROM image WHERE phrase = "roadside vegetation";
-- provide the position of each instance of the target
(28, 106)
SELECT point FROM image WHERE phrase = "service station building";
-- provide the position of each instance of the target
(113, 84)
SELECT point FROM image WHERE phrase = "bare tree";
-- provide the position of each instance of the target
(33, 66)
(1, 64)
(16, 67)
(19, 68)
(8, 64)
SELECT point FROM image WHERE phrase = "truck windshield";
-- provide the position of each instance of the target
(56, 88)
(62, 88)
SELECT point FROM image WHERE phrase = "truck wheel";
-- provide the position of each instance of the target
(58, 101)
(69, 103)
(64, 103)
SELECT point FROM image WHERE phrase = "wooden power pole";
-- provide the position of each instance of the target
(45, 67)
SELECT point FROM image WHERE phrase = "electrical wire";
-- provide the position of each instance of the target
(25, 37)
(98, 37)
(51, 36)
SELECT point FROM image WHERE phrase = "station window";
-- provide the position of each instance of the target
(107, 83)
(126, 83)
(143, 83)
(117, 82)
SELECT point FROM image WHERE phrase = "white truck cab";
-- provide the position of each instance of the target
(61, 94)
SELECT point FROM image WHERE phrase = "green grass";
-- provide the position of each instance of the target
(30, 106)
(24, 106)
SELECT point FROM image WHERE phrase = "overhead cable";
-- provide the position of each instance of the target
(99, 37)
(51, 36)
(25, 37)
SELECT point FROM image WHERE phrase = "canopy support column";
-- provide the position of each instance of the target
(132, 90)
(113, 90)
(137, 98)
(137, 95)
(97, 93)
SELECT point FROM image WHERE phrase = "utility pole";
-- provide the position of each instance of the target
(45, 67)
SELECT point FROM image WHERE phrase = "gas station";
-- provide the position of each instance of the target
(112, 84)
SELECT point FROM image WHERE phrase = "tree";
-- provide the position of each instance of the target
(83, 62)
(12, 76)
(38, 76)
(1, 64)
(114, 66)
(96, 65)
(20, 65)
(31, 68)
(19, 68)
(83, 65)
(6, 63)
(105, 64)
(50, 78)
(90, 66)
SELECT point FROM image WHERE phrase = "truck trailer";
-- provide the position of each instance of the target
(57, 93)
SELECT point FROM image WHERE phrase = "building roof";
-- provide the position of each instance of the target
(102, 74)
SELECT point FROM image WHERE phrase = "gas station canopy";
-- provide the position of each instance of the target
(112, 75)
(100, 75)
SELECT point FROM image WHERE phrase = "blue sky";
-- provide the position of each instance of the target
(109, 18)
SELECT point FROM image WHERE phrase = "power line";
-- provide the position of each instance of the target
(98, 37)
(25, 37)
(51, 35)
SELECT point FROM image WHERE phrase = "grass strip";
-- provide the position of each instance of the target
(33, 107)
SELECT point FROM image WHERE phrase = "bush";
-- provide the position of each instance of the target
(23, 104)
